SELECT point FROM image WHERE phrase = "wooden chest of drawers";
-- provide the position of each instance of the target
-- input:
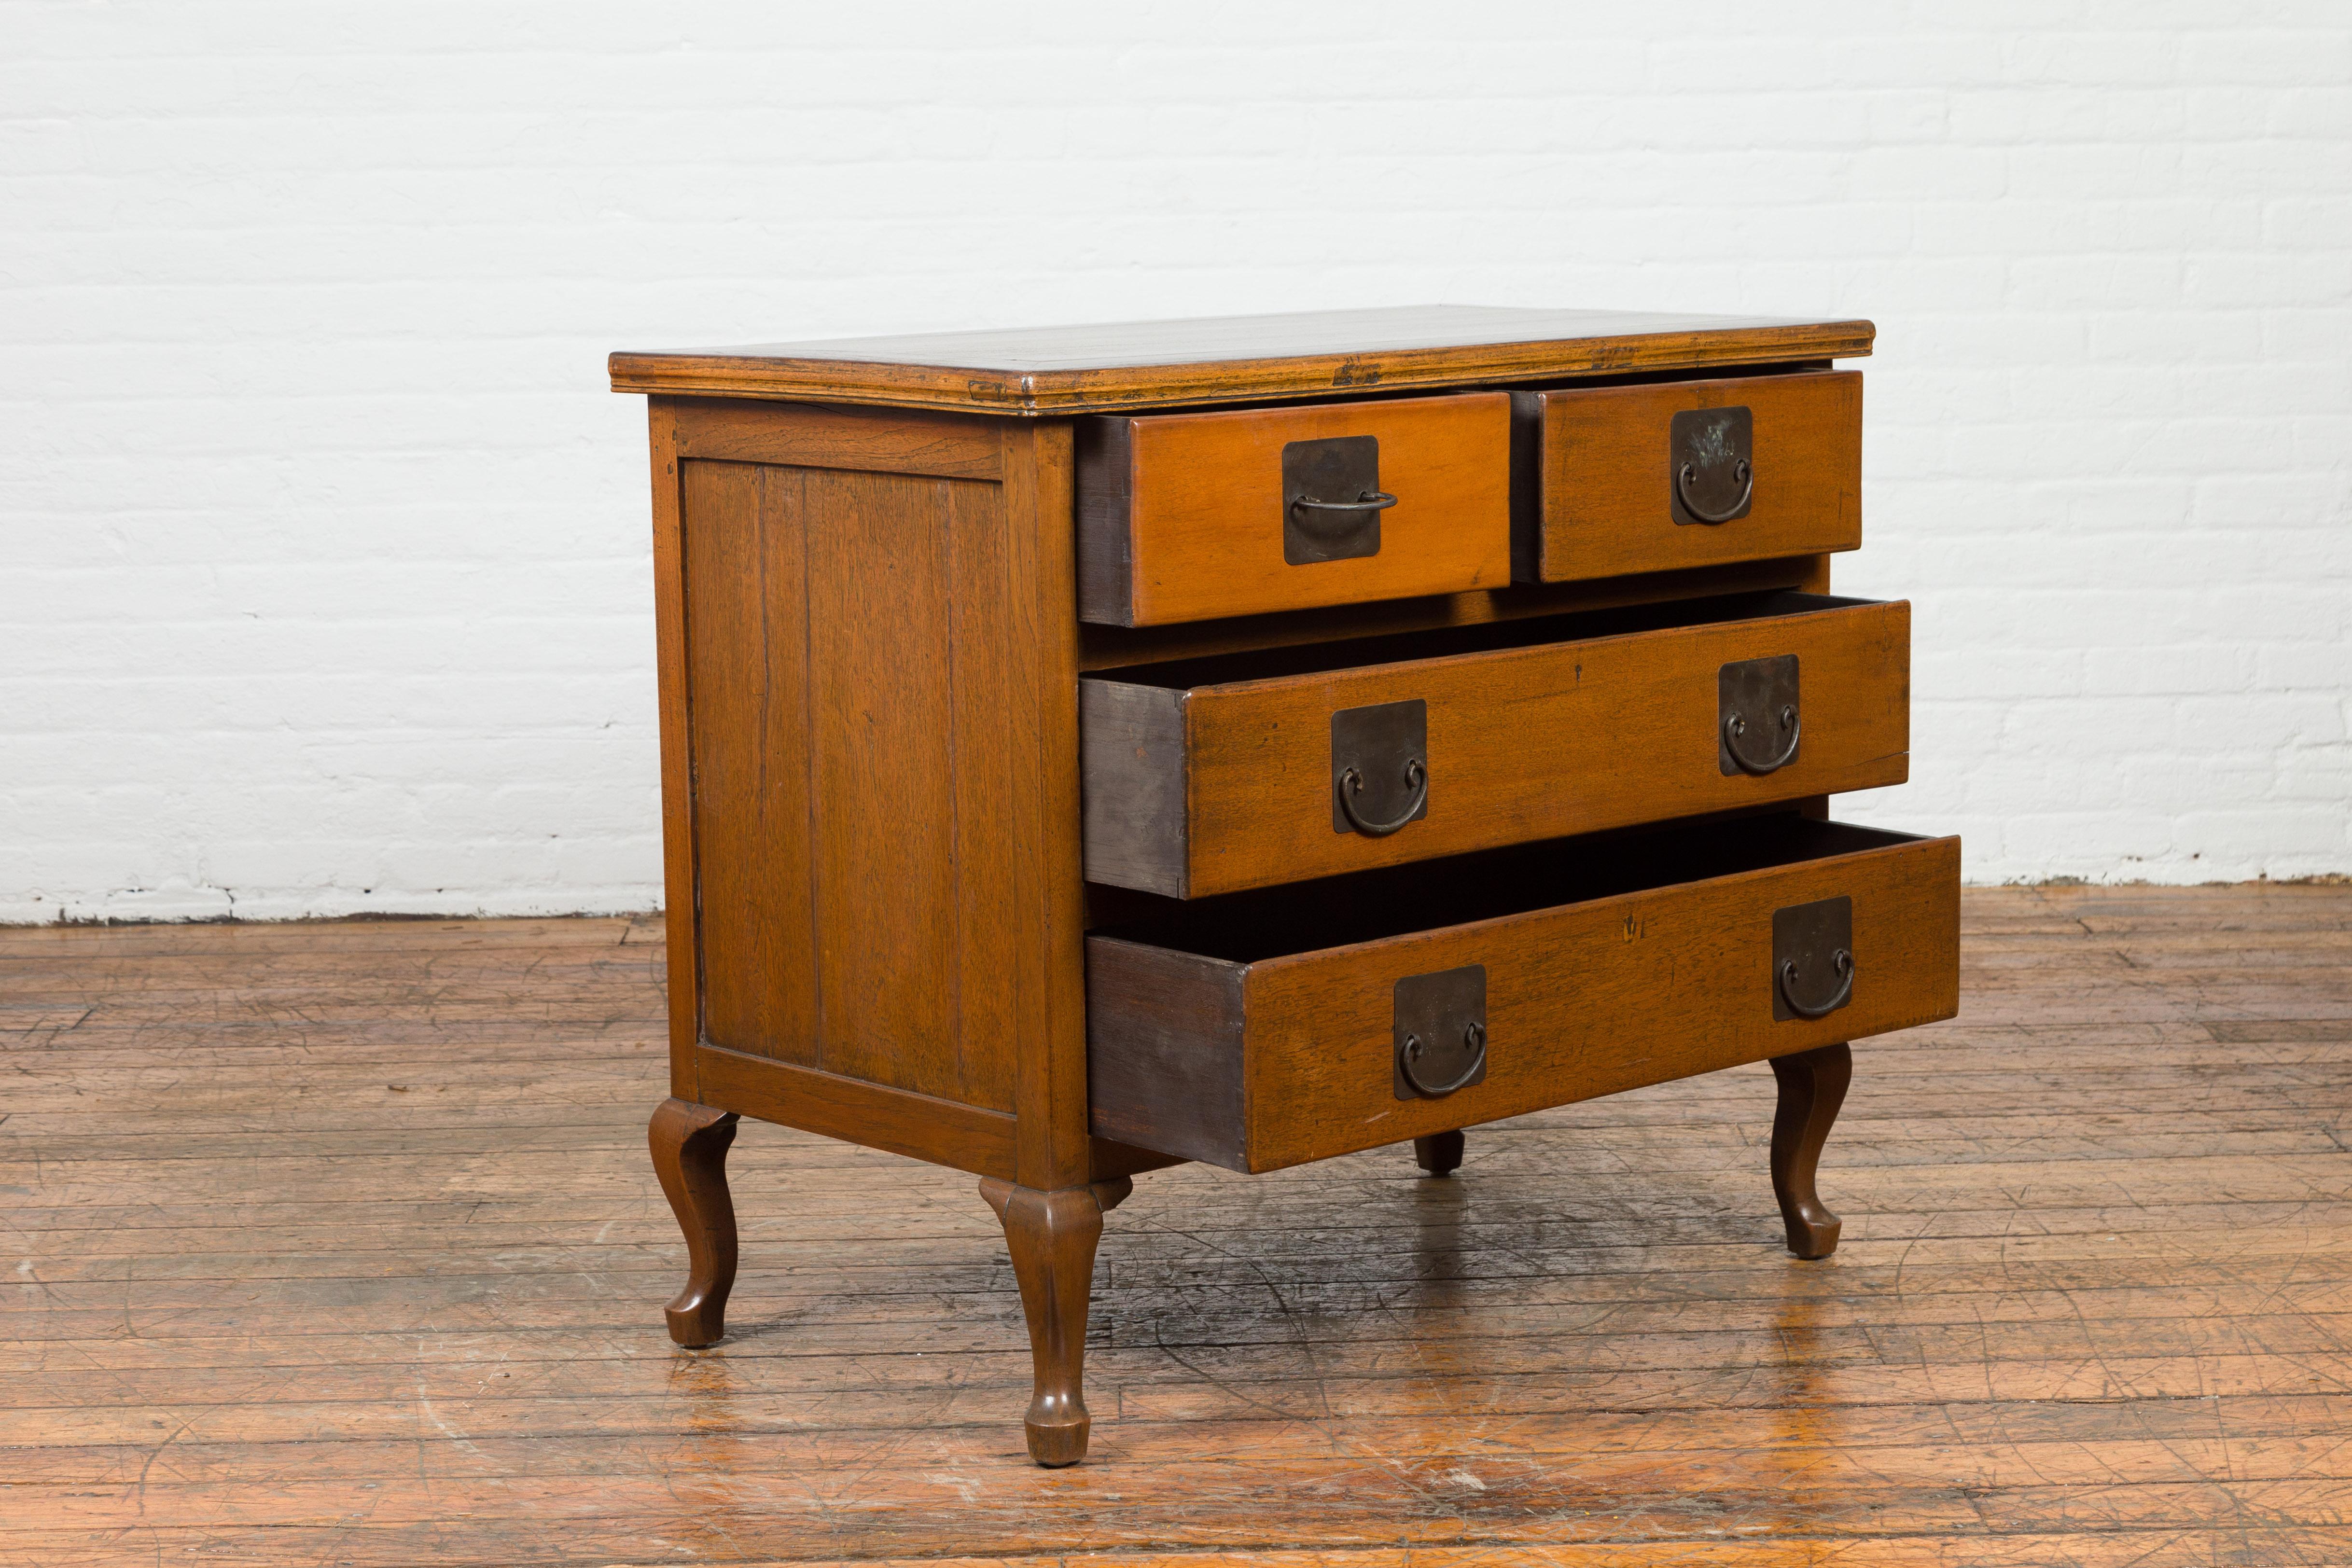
(1258, 740)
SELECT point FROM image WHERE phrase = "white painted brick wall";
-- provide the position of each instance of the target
(325, 580)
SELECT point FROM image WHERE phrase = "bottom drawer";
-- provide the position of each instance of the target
(1264, 1029)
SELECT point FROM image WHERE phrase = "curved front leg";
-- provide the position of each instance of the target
(1812, 1087)
(689, 1147)
(1052, 1237)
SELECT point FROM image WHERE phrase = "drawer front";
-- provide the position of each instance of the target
(1647, 479)
(1214, 789)
(1191, 516)
(1257, 1066)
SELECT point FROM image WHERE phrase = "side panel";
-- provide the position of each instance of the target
(881, 751)
(748, 667)
(851, 641)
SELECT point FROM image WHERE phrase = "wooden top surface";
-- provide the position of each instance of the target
(1232, 359)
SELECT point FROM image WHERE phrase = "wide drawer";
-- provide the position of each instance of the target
(1189, 517)
(1210, 775)
(1269, 1029)
(1610, 480)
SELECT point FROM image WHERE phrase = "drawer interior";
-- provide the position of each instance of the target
(1403, 647)
(1367, 906)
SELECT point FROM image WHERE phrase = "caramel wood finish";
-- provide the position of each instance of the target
(1237, 358)
(829, 789)
(1812, 1086)
(875, 806)
(1260, 1064)
(873, 672)
(921, 1126)
(752, 796)
(1180, 516)
(689, 1146)
(1196, 790)
(359, 1212)
(1596, 495)
(678, 892)
(1052, 1237)
(803, 436)
(963, 1137)
(1039, 834)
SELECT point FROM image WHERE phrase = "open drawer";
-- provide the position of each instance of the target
(1192, 517)
(1267, 1030)
(1244, 770)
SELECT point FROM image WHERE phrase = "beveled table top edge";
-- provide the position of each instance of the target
(1126, 366)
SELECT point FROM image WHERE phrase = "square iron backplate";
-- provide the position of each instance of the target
(1378, 742)
(1756, 691)
(1810, 935)
(1719, 445)
(1339, 468)
(1440, 1010)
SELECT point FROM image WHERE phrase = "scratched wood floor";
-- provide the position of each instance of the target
(336, 1244)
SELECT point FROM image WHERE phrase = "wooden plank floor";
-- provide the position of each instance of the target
(336, 1244)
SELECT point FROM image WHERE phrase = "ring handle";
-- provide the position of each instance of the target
(1734, 726)
(1475, 1037)
(1843, 962)
(1351, 782)
(1348, 512)
(1687, 475)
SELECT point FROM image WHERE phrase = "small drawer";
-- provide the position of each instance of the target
(1272, 1029)
(1190, 517)
(1210, 775)
(1611, 480)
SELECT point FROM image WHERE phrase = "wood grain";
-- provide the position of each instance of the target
(1237, 358)
(679, 901)
(1133, 767)
(1591, 731)
(1034, 739)
(689, 1144)
(881, 745)
(1812, 1086)
(1586, 995)
(808, 436)
(1593, 493)
(871, 689)
(1052, 1237)
(2093, 1302)
(753, 797)
(901, 1121)
(1180, 515)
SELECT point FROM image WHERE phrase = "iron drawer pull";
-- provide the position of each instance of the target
(1843, 962)
(1687, 475)
(1351, 782)
(1475, 1037)
(1351, 513)
(1735, 726)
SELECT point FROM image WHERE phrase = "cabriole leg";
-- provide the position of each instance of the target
(1052, 1237)
(1812, 1087)
(1440, 1154)
(689, 1147)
